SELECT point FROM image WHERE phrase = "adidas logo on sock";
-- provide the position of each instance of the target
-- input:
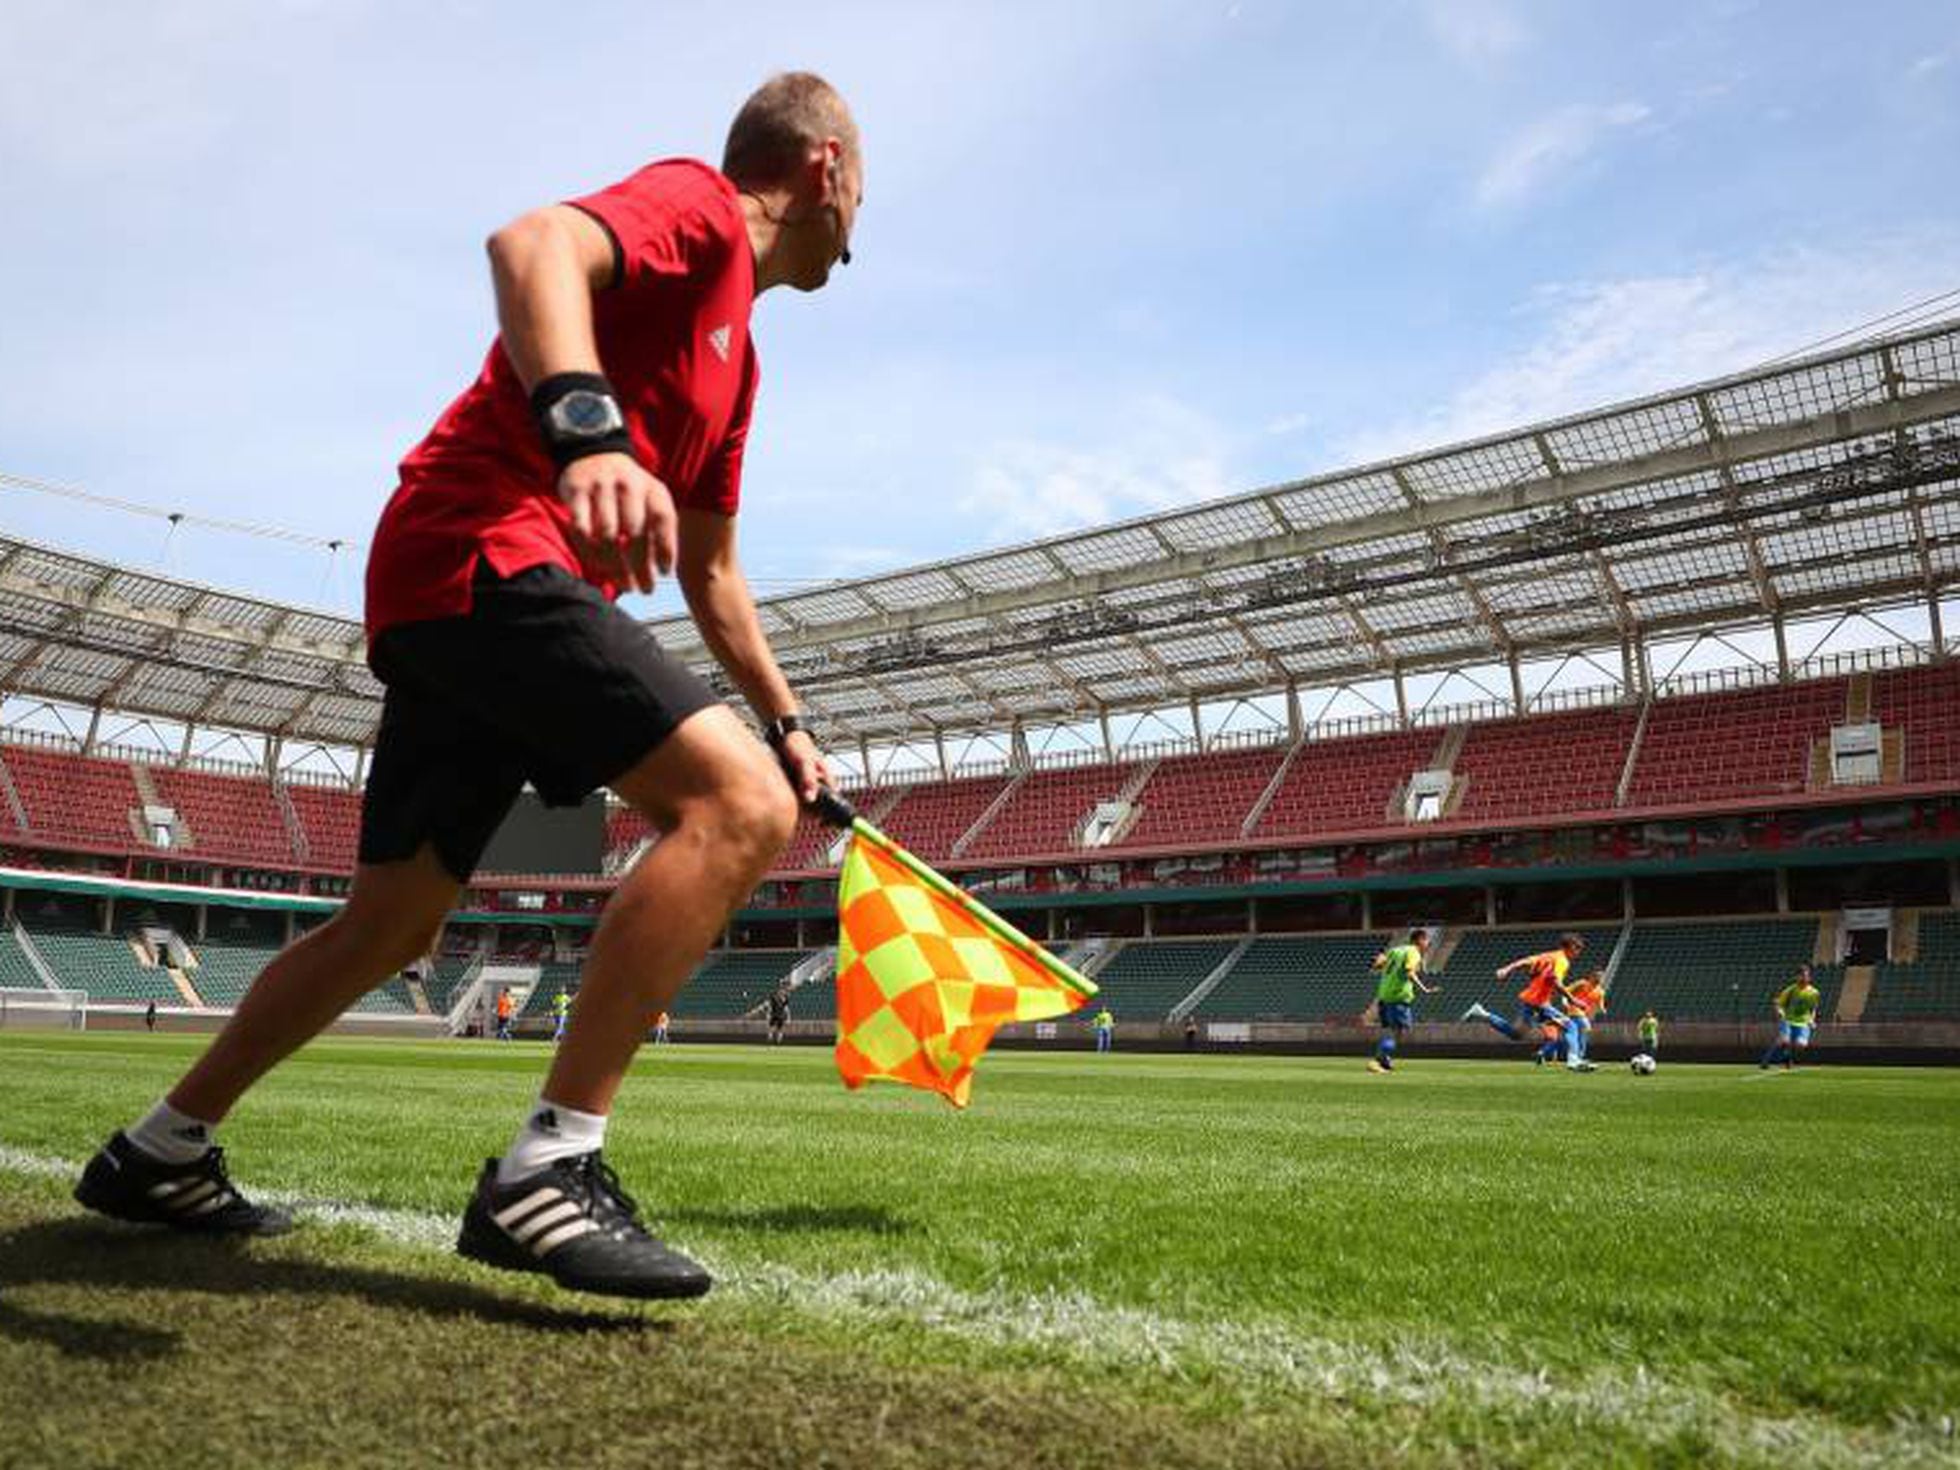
(195, 1133)
(545, 1120)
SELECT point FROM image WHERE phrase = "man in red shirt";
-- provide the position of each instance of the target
(599, 448)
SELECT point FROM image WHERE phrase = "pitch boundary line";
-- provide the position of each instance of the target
(1129, 1339)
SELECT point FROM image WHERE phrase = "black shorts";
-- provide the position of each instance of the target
(544, 681)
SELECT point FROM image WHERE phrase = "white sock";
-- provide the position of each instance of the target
(171, 1136)
(551, 1133)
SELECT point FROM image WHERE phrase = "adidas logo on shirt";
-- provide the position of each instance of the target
(720, 338)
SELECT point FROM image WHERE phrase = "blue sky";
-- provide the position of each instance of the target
(1112, 257)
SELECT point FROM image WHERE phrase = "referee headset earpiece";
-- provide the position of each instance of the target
(844, 250)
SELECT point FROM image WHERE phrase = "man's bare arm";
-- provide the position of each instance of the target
(724, 610)
(545, 266)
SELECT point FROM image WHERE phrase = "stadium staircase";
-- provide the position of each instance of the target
(1855, 993)
(1273, 785)
(1206, 986)
(1624, 786)
(16, 813)
(21, 964)
(998, 805)
(1149, 978)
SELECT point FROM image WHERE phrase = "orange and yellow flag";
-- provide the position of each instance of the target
(926, 973)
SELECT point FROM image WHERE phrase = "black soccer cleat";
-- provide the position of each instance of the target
(125, 1183)
(572, 1222)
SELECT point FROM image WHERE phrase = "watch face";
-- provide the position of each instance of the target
(586, 414)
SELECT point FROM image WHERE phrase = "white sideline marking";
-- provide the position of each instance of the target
(1127, 1338)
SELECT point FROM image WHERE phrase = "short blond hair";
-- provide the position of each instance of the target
(784, 119)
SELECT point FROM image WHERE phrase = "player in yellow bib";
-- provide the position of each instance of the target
(1400, 969)
(1796, 1006)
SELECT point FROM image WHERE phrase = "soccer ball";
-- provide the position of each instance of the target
(1643, 1065)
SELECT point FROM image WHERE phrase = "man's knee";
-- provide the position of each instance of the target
(757, 810)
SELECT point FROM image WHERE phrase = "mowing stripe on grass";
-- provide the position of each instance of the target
(1095, 1334)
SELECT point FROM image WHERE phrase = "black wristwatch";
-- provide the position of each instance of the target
(780, 729)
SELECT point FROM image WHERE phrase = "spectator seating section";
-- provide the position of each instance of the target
(226, 969)
(732, 982)
(1046, 811)
(1345, 785)
(74, 798)
(1145, 979)
(1928, 988)
(16, 973)
(1543, 765)
(1201, 798)
(1297, 978)
(231, 819)
(1717, 970)
(1698, 749)
(330, 816)
(1924, 703)
(102, 964)
(1715, 747)
(929, 819)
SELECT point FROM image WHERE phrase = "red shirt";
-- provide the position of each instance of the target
(673, 337)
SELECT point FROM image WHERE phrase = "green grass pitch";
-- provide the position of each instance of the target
(1116, 1260)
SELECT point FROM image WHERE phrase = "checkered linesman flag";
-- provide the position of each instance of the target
(926, 973)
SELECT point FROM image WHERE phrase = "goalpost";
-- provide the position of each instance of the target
(63, 1010)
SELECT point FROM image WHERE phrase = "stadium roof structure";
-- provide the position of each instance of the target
(1826, 483)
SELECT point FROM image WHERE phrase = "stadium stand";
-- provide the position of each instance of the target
(75, 798)
(1193, 799)
(1345, 785)
(1702, 748)
(230, 818)
(102, 964)
(1543, 765)
(1926, 989)
(1724, 970)
(1147, 979)
(15, 971)
(226, 969)
(1924, 704)
(930, 819)
(1297, 978)
(1046, 811)
(330, 819)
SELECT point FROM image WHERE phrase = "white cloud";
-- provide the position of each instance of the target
(1475, 31)
(1167, 455)
(1929, 65)
(1552, 144)
(1602, 342)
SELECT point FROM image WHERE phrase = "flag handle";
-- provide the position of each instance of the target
(833, 809)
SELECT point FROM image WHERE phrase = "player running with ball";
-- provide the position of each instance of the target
(600, 447)
(1539, 1004)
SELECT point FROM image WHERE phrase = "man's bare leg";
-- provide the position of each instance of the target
(388, 921)
(725, 812)
(163, 1170)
